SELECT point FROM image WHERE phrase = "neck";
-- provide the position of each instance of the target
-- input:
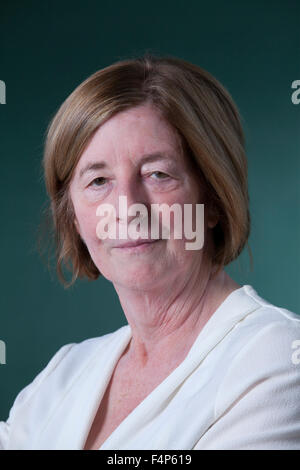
(166, 321)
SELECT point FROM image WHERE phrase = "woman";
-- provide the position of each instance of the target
(203, 362)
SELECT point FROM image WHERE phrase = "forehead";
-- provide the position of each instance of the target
(132, 133)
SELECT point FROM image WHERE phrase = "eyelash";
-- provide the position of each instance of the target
(165, 177)
(162, 173)
(98, 178)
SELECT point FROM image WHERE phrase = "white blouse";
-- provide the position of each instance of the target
(238, 388)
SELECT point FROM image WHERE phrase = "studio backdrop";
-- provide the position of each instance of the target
(50, 47)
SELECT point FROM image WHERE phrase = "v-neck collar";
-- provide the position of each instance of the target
(86, 394)
(234, 308)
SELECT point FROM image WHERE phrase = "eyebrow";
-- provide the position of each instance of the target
(147, 158)
(91, 166)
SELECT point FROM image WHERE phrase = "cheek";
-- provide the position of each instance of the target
(180, 259)
(184, 212)
(87, 221)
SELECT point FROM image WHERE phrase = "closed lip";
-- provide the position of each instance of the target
(132, 244)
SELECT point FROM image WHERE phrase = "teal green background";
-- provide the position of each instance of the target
(47, 49)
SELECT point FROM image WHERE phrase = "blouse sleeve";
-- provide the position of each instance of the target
(258, 402)
(27, 392)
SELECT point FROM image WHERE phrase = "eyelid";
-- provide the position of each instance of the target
(159, 171)
(96, 178)
(157, 166)
(166, 176)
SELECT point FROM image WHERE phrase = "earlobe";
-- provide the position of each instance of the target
(212, 223)
(78, 230)
(213, 218)
(77, 226)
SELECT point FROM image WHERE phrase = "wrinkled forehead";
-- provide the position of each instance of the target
(133, 135)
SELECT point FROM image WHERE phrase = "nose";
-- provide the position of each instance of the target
(128, 191)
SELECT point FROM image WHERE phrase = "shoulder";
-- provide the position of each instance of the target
(85, 350)
(266, 356)
(37, 402)
(255, 319)
(254, 331)
(67, 363)
(271, 326)
(256, 405)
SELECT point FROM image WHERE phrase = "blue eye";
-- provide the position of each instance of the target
(160, 175)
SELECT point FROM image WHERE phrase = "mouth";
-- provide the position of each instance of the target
(136, 246)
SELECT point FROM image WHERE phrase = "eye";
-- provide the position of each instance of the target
(159, 175)
(100, 181)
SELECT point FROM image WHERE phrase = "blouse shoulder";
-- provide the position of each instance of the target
(257, 400)
(266, 361)
(52, 381)
(29, 390)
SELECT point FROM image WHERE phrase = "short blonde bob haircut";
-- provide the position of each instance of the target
(199, 109)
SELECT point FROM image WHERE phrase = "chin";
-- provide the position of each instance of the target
(136, 271)
(142, 278)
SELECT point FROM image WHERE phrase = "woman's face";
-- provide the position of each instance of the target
(121, 161)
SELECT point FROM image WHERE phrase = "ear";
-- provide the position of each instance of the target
(213, 216)
(212, 222)
(77, 225)
(78, 230)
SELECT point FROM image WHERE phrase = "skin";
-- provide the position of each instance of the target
(166, 291)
